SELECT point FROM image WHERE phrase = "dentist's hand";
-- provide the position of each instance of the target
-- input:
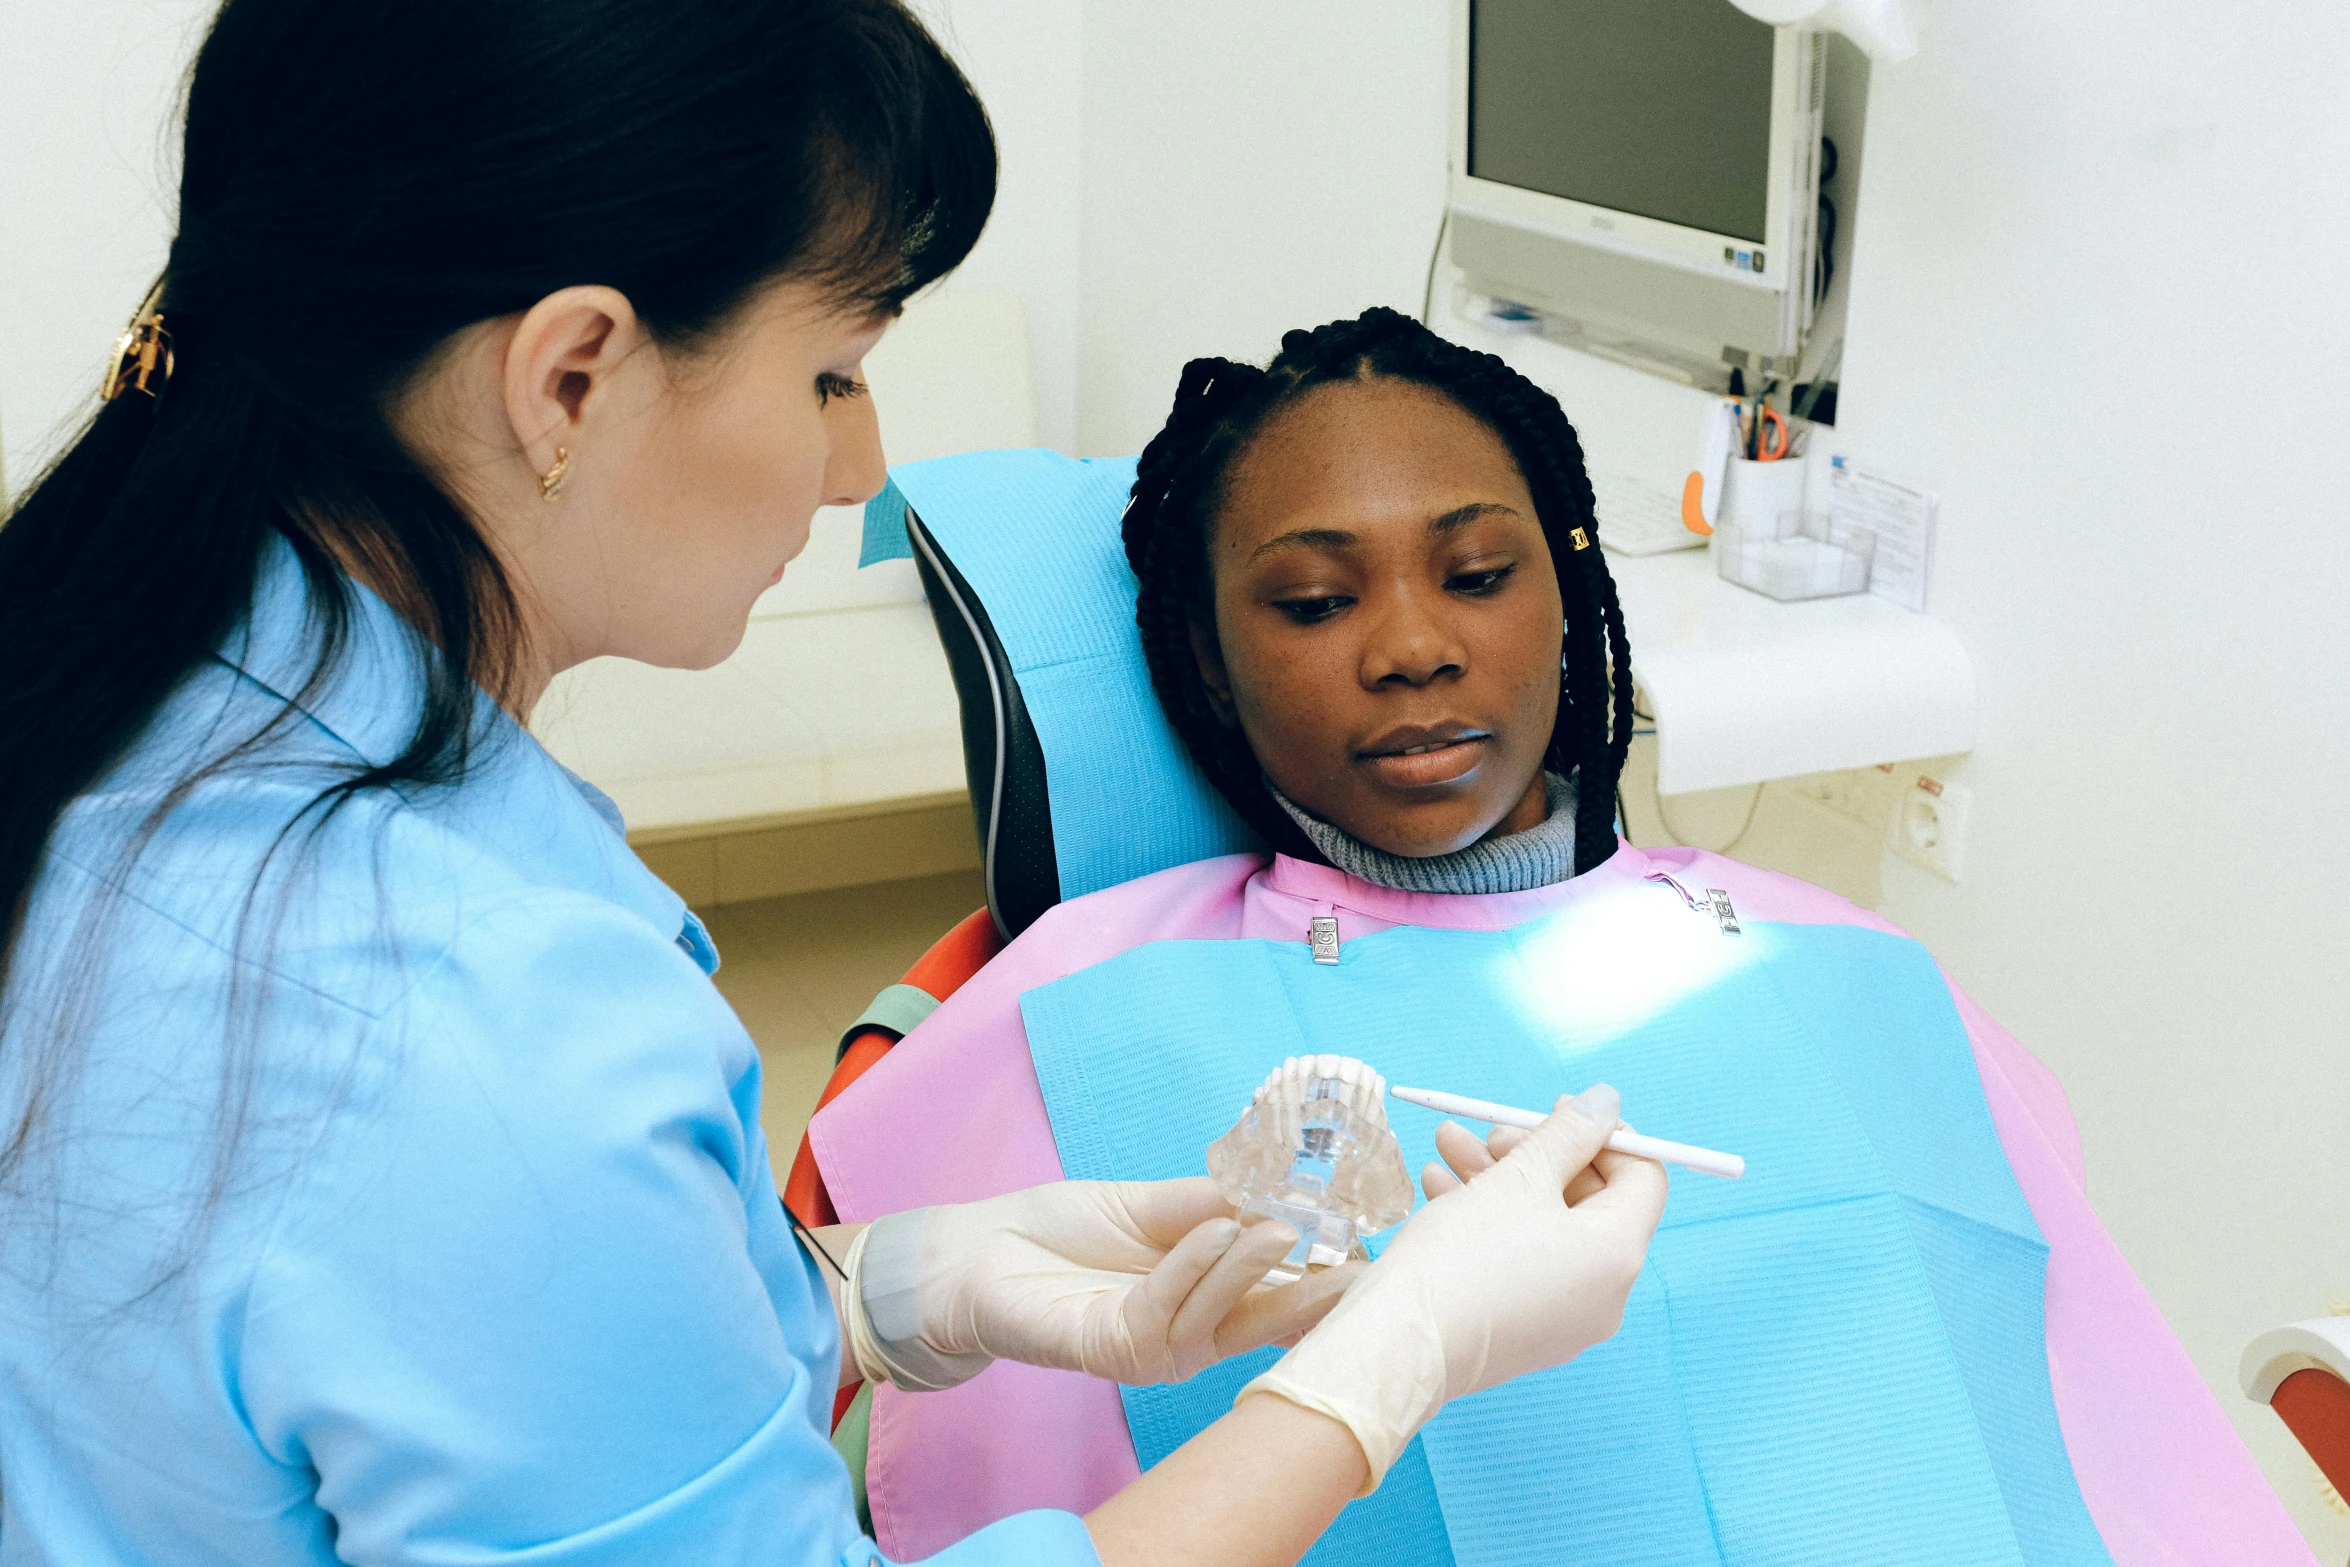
(1137, 1281)
(1496, 1276)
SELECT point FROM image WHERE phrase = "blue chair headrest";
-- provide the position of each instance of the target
(1078, 782)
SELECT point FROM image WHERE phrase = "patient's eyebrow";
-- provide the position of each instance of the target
(1307, 538)
(1340, 539)
(1460, 516)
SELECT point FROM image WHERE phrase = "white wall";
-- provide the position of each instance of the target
(89, 189)
(1247, 168)
(2097, 301)
(88, 180)
(1024, 58)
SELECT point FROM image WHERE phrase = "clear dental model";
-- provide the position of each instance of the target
(1314, 1151)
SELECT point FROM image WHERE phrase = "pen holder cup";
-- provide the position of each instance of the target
(1802, 555)
(1758, 496)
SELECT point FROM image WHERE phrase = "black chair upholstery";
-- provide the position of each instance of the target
(1001, 755)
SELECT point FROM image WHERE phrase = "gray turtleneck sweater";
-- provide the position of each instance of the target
(1541, 856)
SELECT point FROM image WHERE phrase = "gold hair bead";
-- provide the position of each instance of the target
(551, 482)
(142, 359)
(1580, 541)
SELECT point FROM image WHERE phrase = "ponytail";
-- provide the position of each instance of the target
(102, 611)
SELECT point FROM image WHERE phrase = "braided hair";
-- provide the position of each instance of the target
(1219, 408)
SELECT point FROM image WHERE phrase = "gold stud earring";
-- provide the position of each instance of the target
(551, 482)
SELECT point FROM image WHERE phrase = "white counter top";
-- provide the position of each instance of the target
(1745, 688)
(816, 712)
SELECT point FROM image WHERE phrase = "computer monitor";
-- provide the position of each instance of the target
(1645, 173)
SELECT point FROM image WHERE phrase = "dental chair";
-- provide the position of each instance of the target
(2302, 1371)
(1077, 780)
(1077, 783)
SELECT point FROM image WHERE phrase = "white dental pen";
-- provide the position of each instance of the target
(1705, 1161)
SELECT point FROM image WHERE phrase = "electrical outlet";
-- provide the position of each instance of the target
(1862, 798)
(1929, 826)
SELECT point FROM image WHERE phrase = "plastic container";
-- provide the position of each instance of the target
(1757, 496)
(1798, 555)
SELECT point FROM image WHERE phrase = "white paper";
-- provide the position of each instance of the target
(1900, 516)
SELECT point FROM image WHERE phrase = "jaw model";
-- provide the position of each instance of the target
(1313, 1151)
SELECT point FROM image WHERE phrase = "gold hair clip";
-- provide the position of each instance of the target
(142, 355)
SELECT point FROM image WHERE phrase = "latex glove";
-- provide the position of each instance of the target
(1496, 1276)
(1469, 1157)
(1137, 1281)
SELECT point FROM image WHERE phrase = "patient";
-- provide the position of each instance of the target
(1353, 572)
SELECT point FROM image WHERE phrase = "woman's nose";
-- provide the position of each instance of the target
(1412, 645)
(855, 470)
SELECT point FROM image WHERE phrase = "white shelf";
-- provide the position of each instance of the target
(815, 712)
(1746, 689)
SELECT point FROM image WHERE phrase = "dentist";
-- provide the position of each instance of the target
(380, 1174)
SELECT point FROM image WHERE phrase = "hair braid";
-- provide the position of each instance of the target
(1595, 727)
(1170, 563)
(1209, 388)
(1220, 406)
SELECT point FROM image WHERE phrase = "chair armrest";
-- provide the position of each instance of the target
(2302, 1372)
(2321, 1344)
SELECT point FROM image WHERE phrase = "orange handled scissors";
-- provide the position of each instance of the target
(1770, 444)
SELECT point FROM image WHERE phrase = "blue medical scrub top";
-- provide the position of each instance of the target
(494, 1270)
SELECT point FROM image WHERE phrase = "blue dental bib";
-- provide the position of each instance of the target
(1840, 1359)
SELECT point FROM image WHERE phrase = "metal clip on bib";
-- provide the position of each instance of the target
(1719, 902)
(1322, 936)
(1716, 903)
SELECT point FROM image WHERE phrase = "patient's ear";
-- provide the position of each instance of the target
(1210, 659)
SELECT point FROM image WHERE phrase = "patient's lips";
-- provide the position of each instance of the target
(1417, 756)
